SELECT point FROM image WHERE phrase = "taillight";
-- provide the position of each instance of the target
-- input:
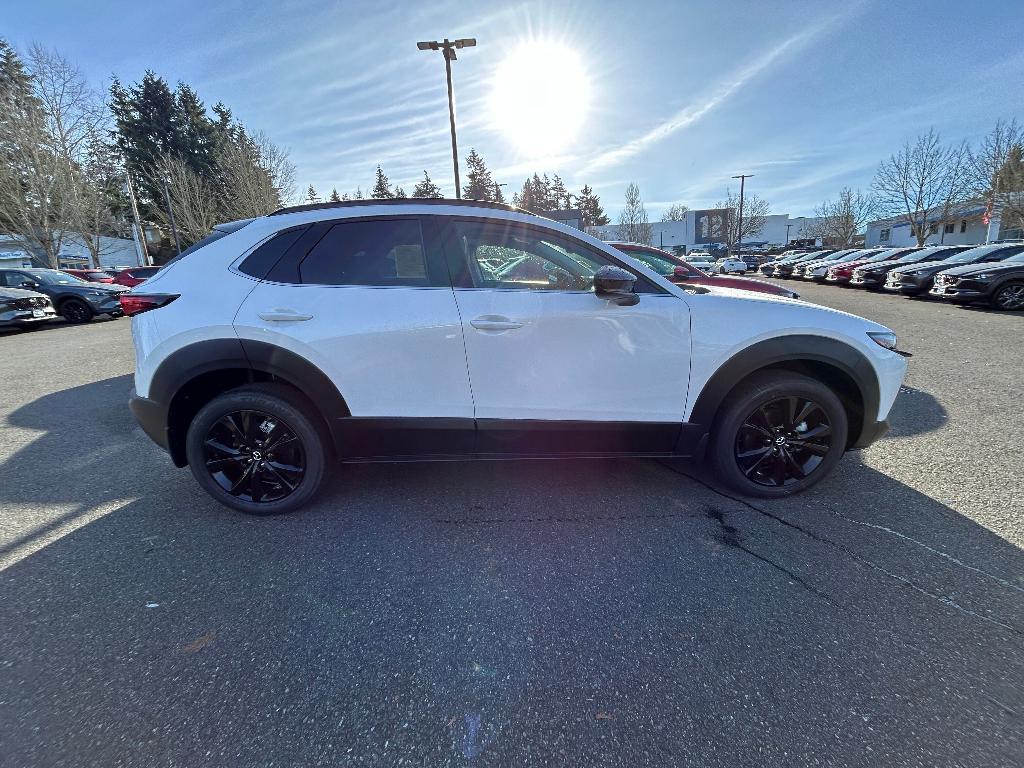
(137, 303)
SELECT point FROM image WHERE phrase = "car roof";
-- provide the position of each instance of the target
(399, 202)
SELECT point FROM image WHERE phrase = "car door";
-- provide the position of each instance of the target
(554, 368)
(369, 304)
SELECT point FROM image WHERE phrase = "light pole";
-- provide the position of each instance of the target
(739, 224)
(448, 47)
(787, 233)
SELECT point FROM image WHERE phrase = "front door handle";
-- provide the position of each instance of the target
(283, 316)
(495, 323)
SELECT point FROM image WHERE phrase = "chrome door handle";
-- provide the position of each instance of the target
(283, 315)
(494, 323)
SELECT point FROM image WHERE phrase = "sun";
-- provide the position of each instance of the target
(540, 97)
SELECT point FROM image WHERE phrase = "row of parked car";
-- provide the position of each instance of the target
(991, 274)
(30, 297)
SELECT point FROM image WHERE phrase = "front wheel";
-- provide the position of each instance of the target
(1009, 297)
(778, 434)
(76, 311)
(257, 449)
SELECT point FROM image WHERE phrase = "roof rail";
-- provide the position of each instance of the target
(397, 201)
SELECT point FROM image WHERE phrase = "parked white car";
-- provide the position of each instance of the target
(386, 330)
(730, 266)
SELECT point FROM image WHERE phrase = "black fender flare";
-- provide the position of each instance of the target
(792, 349)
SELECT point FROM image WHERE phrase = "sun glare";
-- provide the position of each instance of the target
(540, 97)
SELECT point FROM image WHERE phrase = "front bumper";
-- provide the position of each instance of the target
(962, 292)
(911, 286)
(867, 281)
(837, 279)
(23, 317)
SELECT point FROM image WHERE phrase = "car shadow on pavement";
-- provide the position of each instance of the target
(571, 612)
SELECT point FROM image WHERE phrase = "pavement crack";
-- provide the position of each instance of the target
(942, 599)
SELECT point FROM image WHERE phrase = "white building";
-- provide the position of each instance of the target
(114, 252)
(967, 226)
(702, 228)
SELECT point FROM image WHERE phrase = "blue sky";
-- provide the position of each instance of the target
(809, 96)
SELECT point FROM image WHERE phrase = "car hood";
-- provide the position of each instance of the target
(744, 284)
(20, 293)
(885, 266)
(767, 298)
(103, 287)
(934, 266)
(977, 269)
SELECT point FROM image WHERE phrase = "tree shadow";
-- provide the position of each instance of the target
(494, 613)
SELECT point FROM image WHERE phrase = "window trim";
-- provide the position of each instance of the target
(461, 278)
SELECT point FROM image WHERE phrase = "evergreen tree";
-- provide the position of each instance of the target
(561, 199)
(311, 195)
(400, 194)
(593, 214)
(334, 196)
(498, 197)
(381, 187)
(427, 188)
(480, 185)
(145, 117)
(358, 194)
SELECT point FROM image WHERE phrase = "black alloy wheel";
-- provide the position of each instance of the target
(258, 449)
(75, 311)
(254, 456)
(1010, 297)
(783, 441)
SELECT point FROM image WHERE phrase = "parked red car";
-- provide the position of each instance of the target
(134, 275)
(90, 275)
(678, 271)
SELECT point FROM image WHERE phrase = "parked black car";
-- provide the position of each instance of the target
(1000, 284)
(872, 276)
(919, 278)
(785, 267)
(24, 309)
(76, 300)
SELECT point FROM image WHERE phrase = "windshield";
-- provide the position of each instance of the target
(1017, 258)
(663, 265)
(54, 277)
(972, 255)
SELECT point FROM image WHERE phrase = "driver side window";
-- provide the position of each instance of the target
(504, 255)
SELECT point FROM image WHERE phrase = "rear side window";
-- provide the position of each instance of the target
(259, 263)
(379, 252)
(144, 272)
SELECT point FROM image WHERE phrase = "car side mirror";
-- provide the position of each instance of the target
(681, 273)
(616, 285)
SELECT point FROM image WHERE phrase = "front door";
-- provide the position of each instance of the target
(553, 367)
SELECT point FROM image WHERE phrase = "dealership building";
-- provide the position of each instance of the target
(968, 225)
(704, 228)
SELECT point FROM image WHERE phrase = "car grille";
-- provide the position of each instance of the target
(32, 302)
(946, 280)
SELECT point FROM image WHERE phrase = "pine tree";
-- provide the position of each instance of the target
(334, 196)
(358, 194)
(498, 197)
(311, 195)
(480, 185)
(592, 213)
(381, 187)
(400, 194)
(560, 197)
(427, 188)
(145, 116)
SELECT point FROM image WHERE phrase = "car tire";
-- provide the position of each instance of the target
(757, 450)
(1009, 297)
(255, 419)
(76, 311)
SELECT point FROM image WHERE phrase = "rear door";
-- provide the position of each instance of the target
(370, 303)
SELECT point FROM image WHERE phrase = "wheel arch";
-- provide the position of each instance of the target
(193, 375)
(835, 363)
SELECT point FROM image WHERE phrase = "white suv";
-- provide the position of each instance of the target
(439, 329)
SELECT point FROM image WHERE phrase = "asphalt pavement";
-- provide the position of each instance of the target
(561, 613)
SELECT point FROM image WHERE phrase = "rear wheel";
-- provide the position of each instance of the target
(778, 434)
(76, 311)
(257, 449)
(1009, 297)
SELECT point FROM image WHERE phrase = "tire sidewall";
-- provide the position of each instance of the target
(258, 399)
(76, 303)
(750, 396)
(999, 291)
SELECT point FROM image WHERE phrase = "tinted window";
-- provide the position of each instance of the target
(143, 272)
(258, 263)
(663, 265)
(381, 252)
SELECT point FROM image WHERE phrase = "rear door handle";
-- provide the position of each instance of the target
(494, 323)
(283, 316)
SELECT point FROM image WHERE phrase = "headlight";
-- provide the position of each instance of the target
(885, 339)
(96, 294)
(982, 276)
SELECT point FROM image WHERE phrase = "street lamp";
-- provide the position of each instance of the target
(739, 224)
(448, 47)
(787, 233)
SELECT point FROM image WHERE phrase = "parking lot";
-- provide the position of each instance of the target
(521, 613)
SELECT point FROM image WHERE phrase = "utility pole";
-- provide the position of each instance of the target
(170, 215)
(448, 47)
(739, 224)
(138, 233)
(787, 233)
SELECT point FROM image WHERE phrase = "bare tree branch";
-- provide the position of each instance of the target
(841, 220)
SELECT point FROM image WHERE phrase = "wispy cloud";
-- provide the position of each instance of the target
(692, 113)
